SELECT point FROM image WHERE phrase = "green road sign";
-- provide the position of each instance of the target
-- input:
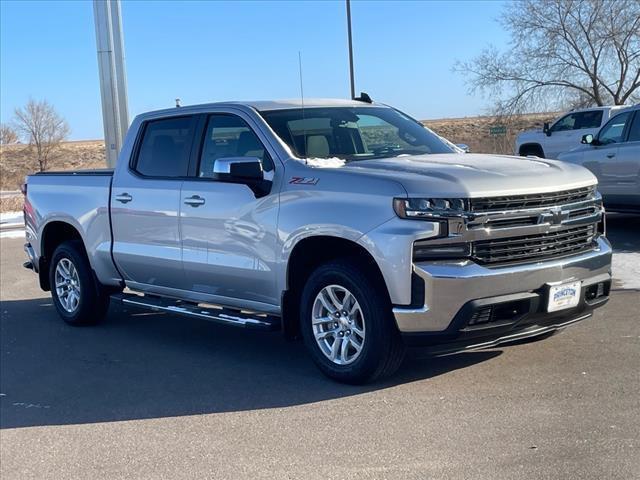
(498, 130)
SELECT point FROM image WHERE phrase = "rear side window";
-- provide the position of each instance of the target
(590, 119)
(165, 147)
(578, 121)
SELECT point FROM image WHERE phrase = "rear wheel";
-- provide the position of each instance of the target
(347, 325)
(78, 298)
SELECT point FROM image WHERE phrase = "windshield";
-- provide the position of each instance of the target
(353, 133)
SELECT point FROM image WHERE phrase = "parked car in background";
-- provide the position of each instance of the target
(565, 133)
(613, 155)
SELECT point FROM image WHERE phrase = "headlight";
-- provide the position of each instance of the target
(417, 208)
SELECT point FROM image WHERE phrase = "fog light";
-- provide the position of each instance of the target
(423, 251)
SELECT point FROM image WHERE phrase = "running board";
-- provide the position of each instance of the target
(220, 315)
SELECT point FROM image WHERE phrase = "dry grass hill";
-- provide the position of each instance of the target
(17, 161)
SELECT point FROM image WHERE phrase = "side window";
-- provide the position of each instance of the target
(230, 136)
(634, 131)
(165, 147)
(590, 119)
(614, 129)
(565, 123)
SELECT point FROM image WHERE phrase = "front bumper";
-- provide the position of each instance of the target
(455, 290)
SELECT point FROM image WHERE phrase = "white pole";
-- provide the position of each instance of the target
(113, 82)
(121, 74)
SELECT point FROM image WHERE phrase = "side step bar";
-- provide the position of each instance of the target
(221, 315)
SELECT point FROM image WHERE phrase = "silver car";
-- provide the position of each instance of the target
(613, 155)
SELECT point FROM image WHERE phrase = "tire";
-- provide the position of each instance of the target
(70, 266)
(535, 150)
(381, 349)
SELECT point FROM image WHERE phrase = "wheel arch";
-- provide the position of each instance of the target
(531, 146)
(53, 234)
(311, 252)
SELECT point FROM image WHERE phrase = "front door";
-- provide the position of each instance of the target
(145, 205)
(603, 158)
(229, 232)
(622, 173)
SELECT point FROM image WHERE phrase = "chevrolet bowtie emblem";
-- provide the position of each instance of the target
(555, 216)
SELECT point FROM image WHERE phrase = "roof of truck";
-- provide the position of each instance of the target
(265, 105)
(268, 105)
(603, 107)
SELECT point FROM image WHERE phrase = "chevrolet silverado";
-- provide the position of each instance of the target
(343, 222)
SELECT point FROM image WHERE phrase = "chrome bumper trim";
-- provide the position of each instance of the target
(451, 284)
(443, 350)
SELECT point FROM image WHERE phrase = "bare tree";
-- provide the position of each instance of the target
(8, 134)
(39, 122)
(563, 53)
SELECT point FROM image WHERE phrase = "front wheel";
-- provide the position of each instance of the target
(77, 297)
(347, 325)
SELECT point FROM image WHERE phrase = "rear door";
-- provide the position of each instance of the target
(229, 233)
(145, 205)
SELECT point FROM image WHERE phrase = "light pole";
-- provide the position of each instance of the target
(353, 87)
(113, 79)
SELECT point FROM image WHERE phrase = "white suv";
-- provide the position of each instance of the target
(565, 133)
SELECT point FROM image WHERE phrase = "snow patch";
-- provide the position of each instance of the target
(626, 269)
(11, 217)
(332, 162)
(18, 233)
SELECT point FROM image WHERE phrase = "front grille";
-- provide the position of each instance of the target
(563, 242)
(517, 202)
(509, 222)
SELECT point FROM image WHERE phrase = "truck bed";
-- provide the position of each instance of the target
(79, 198)
(94, 171)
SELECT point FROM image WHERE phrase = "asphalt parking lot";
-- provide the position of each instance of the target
(148, 395)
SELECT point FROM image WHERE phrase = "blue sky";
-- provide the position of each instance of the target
(210, 51)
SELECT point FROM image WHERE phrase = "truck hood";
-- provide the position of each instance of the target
(475, 175)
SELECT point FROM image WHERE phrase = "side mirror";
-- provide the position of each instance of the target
(239, 168)
(587, 139)
(463, 146)
(545, 129)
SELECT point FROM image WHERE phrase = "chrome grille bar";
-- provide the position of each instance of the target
(515, 202)
(535, 247)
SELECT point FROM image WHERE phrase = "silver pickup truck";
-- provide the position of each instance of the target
(346, 223)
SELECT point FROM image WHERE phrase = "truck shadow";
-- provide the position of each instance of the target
(139, 365)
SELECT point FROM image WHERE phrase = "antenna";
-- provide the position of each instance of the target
(304, 123)
(353, 88)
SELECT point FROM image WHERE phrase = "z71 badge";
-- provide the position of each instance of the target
(304, 180)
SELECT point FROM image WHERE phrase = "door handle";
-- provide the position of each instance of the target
(194, 201)
(611, 155)
(124, 198)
